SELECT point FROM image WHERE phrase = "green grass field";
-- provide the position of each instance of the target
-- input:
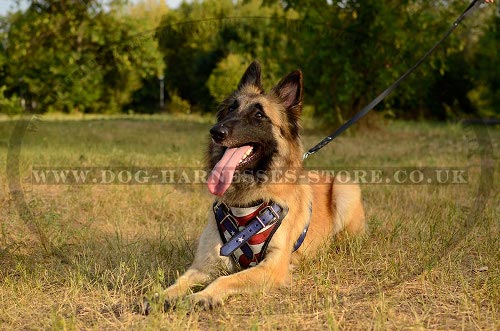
(82, 256)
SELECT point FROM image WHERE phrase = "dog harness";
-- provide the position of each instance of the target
(246, 232)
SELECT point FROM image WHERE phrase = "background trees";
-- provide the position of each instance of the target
(85, 56)
(76, 56)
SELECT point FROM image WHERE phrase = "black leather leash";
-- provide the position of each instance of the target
(473, 6)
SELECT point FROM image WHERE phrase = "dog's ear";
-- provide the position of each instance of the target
(251, 77)
(289, 92)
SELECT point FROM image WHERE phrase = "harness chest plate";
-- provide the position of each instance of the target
(246, 237)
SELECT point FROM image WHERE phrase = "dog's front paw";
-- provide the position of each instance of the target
(154, 303)
(204, 301)
(146, 307)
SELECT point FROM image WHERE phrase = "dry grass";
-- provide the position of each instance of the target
(104, 246)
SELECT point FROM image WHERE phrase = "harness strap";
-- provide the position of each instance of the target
(302, 236)
(270, 214)
(228, 222)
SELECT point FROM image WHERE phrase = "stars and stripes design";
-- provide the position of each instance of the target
(253, 251)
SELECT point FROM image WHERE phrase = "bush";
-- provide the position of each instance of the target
(226, 75)
(177, 104)
(9, 106)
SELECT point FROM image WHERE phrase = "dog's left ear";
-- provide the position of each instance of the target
(252, 77)
(289, 92)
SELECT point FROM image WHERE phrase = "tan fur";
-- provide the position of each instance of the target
(336, 207)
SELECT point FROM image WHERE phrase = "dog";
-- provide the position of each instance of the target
(255, 149)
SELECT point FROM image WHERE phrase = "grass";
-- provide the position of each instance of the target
(430, 261)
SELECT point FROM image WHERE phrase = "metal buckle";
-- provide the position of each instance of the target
(231, 218)
(217, 206)
(272, 211)
(260, 221)
(227, 215)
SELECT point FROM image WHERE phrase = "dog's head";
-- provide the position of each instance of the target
(256, 131)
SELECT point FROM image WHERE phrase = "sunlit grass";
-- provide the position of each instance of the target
(105, 246)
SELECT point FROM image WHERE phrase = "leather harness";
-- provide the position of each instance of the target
(246, 238)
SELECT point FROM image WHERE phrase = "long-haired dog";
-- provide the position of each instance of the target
(268, 211)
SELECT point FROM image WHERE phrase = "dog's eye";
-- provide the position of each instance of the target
(260, 111)
(233, 107)
(259, 114)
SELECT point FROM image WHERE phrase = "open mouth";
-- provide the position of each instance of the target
(234, 158)
(251, 154)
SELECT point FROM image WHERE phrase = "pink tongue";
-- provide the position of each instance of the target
(222, 174)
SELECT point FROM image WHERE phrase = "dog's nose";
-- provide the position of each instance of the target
(219, 132)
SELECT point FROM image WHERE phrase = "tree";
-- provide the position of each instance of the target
(226, 75)
(76, 56)
(204, 42)
(486, 70)
(148, 13)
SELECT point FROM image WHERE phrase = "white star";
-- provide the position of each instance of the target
(240, 239)
(232, 233)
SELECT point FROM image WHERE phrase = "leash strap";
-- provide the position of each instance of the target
(473, 6)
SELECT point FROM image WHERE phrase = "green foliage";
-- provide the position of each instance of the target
(349, 52)
(202, 37)
(226, 75)
(486, 75)
(9, 106)
(357, 50)
(177, 104)
(76, 56)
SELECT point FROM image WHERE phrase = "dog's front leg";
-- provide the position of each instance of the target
(206, 264)
(182, 286)
(270, 273)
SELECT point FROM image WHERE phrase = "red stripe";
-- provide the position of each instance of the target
(260, 237)
(245, 261)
